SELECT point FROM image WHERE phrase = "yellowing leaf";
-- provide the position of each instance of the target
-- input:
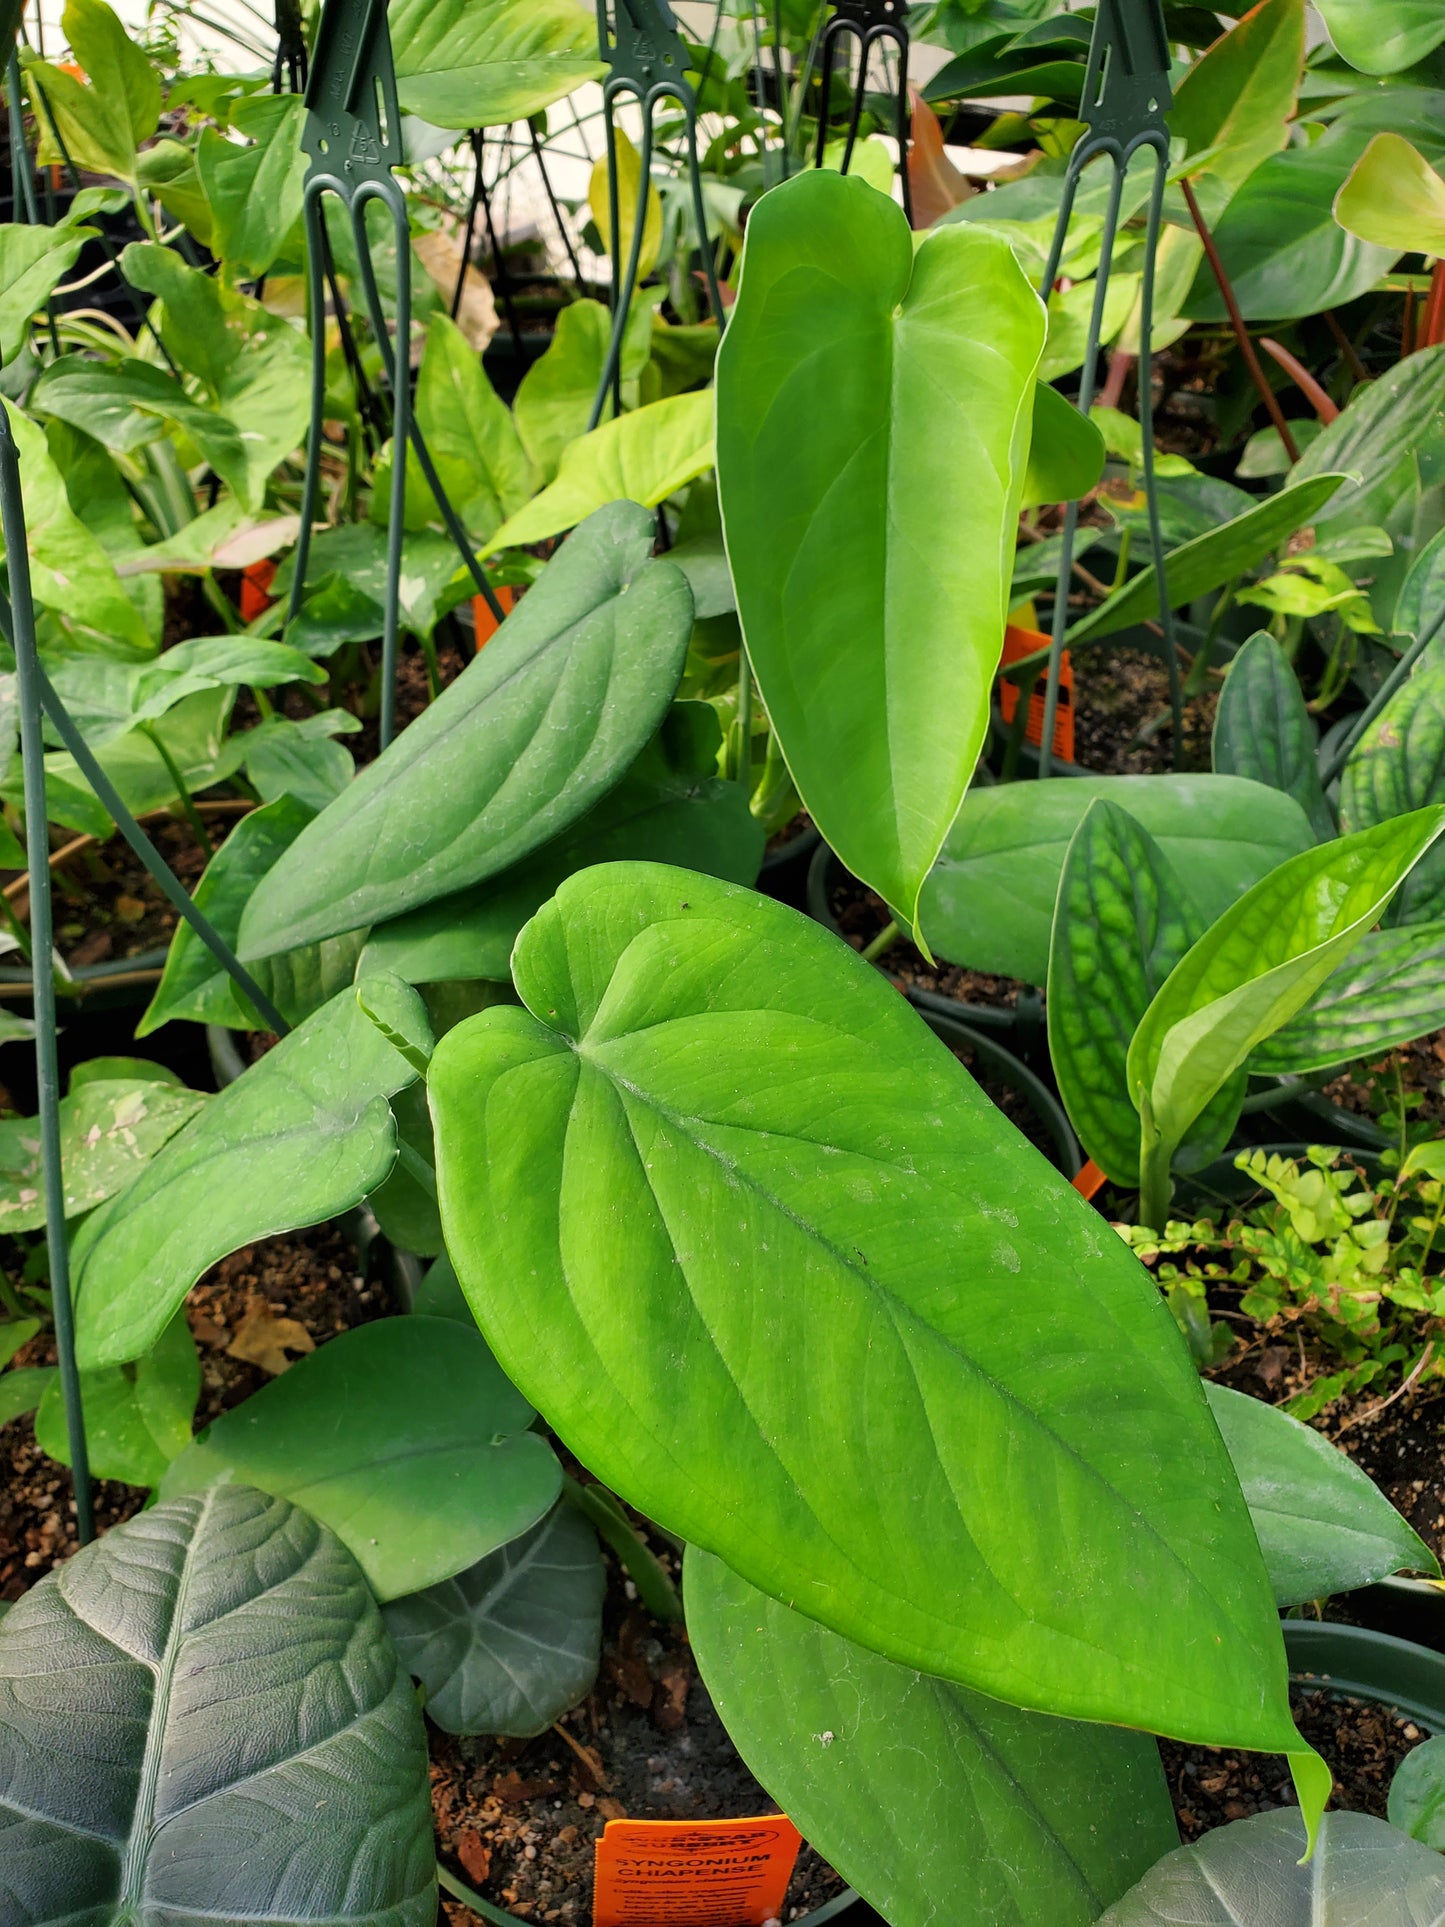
(629, 184)
(1394, 198)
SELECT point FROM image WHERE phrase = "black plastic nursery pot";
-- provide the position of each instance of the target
(785, 866)
(1359, 1662)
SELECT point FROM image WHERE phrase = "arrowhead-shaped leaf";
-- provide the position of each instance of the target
(864, 1324)
(1263, 730)
(874, 410)
(529, 736)
(932, 1801)
(202, 1719)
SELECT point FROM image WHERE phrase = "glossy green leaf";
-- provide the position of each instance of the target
(671, 807)
(1394, 198)
(1417, 1794)
(254, 189)
(300, 760)
(1420, 605)
(1066, 451)
(15, 1334)
(442, 1471)
(1237, 100)
(1282, 248)
(926, 1797)
(22, 1389)
(1383, 36)
(167, 171)
(874, 408)
(1363, 1873)
(202, 323)
(1260, 964)
(1391, 417)
(470, 434)
(194, 985)
(1389, 990)
(1263, 730)
(509, 1645)
(263, 1754)
(33, 260)
(405, 1205)
(710, 1096)
(109, 1129)
(1398, 765)
(989, 902)
(138, 1417)
(554, 399)
(266, 398)
(1209, 561)
(303, 1135)
(482, 63)
(1324, 1527)
(538, 727)
(1121, 923)
(642, 457)
(103, 119)
(125, 404)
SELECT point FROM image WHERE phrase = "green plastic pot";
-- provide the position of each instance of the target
(1357, 1662)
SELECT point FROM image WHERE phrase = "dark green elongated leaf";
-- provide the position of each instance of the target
(480, 63)
(124, 404)
(709, 1095)
(305, 1134)
(1420, 605)
(136, 1419)
(1323, 1526)
(1389, 990)
(1391, 417)
(1210, 560)
(1261, 963)
(923, 1795)
(529, 736)
(1066, 451)
(1362, 1871)
(1283, 249)
(229, 1651)
(194, 986)
(1417, 1794)
(1398, 765)
(671, 807)
(989, 902)
(510, 1644)
(1238, 98)
(1263, 730)
(874, 409)
(109, 1130)
(1121, 924)
(442, 1471)
(1383, 36)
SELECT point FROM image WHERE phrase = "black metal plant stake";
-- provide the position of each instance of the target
(870, 22)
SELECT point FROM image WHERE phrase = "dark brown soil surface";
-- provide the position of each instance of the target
(860, 915)
(413, 694)
(304, 1287)
(1122, 724)
(1419, 1069)
(1363, 1744)
(518, 1819)
(795, 826)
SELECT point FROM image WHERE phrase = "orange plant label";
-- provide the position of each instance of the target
(683, 1873)
(486, 623)
(256, 597)
(1023, 642)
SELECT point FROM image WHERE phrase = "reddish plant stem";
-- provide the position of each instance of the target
(1236, 321)
(1432, 333)
(1303, 379)
(1346, 347)
(1112, 392)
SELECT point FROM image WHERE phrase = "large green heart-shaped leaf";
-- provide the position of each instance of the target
(1263, 730)
(1238, 98)
(303, 1135)
(1209, 561)
(481, 63)
(1387, 420)
(842, 1310)
(1383, 36)
(1388, 991)
(1363, 1873)
(874, 411)
(1259, 965)
(671, 807)
(932, 1801)
(403, 1436)
(1324, 1526)
(1121, 924)
(529, 736)
(989, 902)
(1398, 765)
(510, 1644)
(203, 1720)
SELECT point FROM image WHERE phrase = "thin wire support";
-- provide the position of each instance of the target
(1126, 95)
(870, 23)
(556, 206)
(649, 61)
(482, 202)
